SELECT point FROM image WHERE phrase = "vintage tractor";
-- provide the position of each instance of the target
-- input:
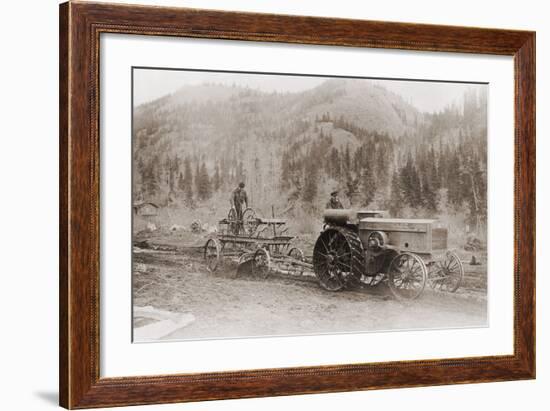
(364, 247)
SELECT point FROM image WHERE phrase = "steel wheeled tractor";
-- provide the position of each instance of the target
(363, 247)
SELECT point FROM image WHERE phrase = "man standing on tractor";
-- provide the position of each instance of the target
(334, 202)
(238, 198)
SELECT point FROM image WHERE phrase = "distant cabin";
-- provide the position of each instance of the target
(146, 209)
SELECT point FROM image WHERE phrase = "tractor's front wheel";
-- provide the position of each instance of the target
(448, 274)
(407, 275)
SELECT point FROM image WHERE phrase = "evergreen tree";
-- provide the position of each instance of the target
(150, 181)
(368, 185)
(383, 159)
(335, 164)
(181, 183)
(188, 182)
(415, 189)
(140, 168)
(311, 176)
(166, 171)
(197, 179)
(347, 158)
(217, 178)
(156, 171)
(171, 179)
(473, 180)
(429, 195)
(285, 170)
(410, 184)
(204, 188)
(433, 172)
(358, 160)
(454, 180)
(396, 194)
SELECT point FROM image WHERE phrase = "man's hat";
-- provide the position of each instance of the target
(334, 193)
(241, 185)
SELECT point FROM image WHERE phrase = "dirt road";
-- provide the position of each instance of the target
(226, 304)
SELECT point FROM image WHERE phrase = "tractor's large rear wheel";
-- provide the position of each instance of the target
(338, 258)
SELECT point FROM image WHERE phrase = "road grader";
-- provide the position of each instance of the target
(262, 244)
(364, 247)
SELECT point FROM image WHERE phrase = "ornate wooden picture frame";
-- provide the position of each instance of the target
(81, 25)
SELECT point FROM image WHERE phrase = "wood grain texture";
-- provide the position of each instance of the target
(524, 203)
(80, 27)
(63, 205)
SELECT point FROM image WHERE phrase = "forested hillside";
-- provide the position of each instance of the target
(291, 149)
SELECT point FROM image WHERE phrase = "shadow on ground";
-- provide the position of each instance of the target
(51, 397)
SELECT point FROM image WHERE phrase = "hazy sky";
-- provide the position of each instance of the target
(151, 84)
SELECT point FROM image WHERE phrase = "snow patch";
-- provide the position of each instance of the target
(166, 323)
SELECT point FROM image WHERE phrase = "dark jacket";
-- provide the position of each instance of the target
(334, 203)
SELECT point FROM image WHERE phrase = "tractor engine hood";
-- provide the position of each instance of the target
(350, 215)
(340, 217)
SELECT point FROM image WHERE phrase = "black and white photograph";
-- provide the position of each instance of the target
(278, 204)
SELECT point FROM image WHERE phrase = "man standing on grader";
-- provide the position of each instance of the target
(238, 198)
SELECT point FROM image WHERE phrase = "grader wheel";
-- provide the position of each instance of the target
(212, 254)
(261, 263)
(338, 259)
(250, 222)
(233, 221)
(297, 254)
